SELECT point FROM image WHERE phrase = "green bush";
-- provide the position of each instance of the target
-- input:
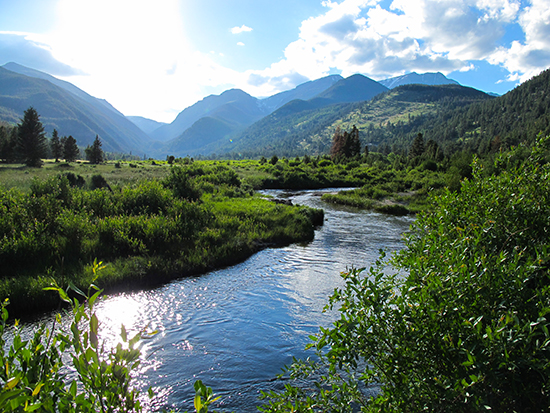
(466, 330)
(34, 371)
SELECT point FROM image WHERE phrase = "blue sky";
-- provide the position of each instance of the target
(154, 59)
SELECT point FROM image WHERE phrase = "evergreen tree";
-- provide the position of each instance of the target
(56, 146)
(31, 140)
(346, 145)
(70, 149)
(353, 145)
(8, 140)
(94, 153)
(338, 143)
(417, 147)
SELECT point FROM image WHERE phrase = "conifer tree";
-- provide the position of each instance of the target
(338, 143)
(70, 149)
(8, 140)
(354, 143)
(346, 145)
(94, 153)
(31, 139)
(56, 146)
(417, 147)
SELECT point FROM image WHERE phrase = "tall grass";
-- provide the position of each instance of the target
(193, 219)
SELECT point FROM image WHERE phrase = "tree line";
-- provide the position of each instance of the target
(27, 143)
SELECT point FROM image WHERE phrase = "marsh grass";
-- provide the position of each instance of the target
(146, 231)
(20, 176)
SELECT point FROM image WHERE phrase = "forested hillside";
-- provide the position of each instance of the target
(456, 117)
(79, 115)
(302, 128)
(479, 127)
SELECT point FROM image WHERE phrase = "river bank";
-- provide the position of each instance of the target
(146, 234)
(235, 327)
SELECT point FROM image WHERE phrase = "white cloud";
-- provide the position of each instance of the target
(243, 28)
(359, 36)
(240, 44)
(31, 50)
(524, 60)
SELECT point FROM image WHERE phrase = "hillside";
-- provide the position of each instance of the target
(246, 107)
(431, 79)
(145, 124)
(488, 124)
(300, 127)
(69, 87)
(65, 111)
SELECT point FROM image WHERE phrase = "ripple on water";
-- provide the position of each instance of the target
(235, 328)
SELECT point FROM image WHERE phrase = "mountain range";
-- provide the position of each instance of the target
(216, 124)
(68, 109)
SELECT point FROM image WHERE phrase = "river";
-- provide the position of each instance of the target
(235, 328)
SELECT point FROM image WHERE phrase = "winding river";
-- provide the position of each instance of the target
(235, 328)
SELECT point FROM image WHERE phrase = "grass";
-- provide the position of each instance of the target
(20, 176)
(143, 229)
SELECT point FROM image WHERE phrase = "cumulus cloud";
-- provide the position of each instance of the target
(243, 28)
(526, 59)
(361, 36)
(240, 44)
(21, 48)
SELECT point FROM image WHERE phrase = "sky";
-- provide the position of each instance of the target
(155, 58)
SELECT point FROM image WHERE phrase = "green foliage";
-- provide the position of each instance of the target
(466, 329)
(70, 149)
(98, 182)
(56, 228)
(94, 153)
(31, 140)
(33, 374)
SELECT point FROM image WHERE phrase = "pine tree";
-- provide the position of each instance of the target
(353, 144)
(346, 145)
(417, 147)
(70, 149)
(56, 146)
(338, 143)
(94, 153)
(8, 140)
(31, 145)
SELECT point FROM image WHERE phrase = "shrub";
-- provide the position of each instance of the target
(98, 182)
(467, 329)
(33, 375)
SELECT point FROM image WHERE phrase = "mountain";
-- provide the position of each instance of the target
(82, 117)
(415, 78)
(356, 88)
(204, 133)
(309, 130)
(237, 101)
(230, 119)
(145, 124)
(305, 91)
(233, 108)
(69, 87)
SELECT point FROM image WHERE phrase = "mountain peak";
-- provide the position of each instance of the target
(355, 88)
(430, 78)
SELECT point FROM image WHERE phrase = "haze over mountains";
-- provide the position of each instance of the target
(209, 126)
(66, 108)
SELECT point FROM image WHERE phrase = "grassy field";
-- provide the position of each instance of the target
(149, 222)
(20, 176)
